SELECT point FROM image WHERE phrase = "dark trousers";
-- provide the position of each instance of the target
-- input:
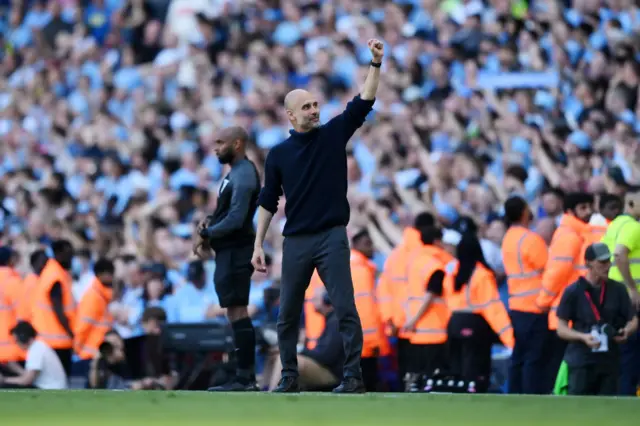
(528, 358)
(470, 340)
(556, 346)
(369, 368)
(404, 359)
(593, 380)
(66, 358)
(427, 358)
(630, 366)
(328, 252)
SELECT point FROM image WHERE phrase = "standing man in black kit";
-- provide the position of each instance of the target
(229, 232)
(311, 169)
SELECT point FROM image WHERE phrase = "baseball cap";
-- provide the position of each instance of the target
(597, 251)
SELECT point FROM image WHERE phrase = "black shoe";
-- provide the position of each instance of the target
(287, 384)
(236, 386)
(350, 385)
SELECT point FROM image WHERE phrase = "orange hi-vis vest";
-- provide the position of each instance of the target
(363, 275)
(431, 328)
(43, 317)
(9, 350)
(594, 234)
(479, 296)
(24, 301)
(93, 320)
(524, 255)
(10, 283)
(392, 286)
(314, 322)
(562, 265)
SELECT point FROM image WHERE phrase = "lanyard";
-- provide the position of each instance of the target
(593, 306)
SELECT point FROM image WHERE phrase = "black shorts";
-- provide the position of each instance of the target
(232, 277)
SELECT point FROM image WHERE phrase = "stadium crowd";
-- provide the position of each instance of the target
(108, 118)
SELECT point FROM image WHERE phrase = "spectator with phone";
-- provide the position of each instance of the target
(603, 317)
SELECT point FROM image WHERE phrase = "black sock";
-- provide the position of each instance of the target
(244, 337)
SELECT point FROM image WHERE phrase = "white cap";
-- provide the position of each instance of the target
(451, 237)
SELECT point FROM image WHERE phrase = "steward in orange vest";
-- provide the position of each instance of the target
(10, 352)
(363, 274)
(477, 313)
(392, 289)
(93, 319)
(53, 310)
(524, 255)
(313, 320)
(562, 269)
(25, 297)
(10, 279)
(428, 315)
(610, 206)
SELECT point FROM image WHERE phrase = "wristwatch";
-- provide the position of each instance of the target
(376, 64)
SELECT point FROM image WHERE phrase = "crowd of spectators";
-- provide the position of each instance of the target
(109, 111)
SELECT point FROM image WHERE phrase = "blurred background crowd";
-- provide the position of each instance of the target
(109, 111)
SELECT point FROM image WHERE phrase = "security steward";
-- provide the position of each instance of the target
(428, 315)
(524, 255)
(93, 319)
(54, 309)
(24, 302)
(602, 317)
(562, 269)
(363, 275)
(229, 232)
(478, 315)
(392, 289)
(623, 240)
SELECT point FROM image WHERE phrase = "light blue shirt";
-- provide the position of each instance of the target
(189, 304)
(256, 298)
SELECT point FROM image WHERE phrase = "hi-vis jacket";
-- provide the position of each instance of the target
(393, 284)
(313, 321)
(562, 264)
(93, 320)
(594, 234)
(43, 317)
(363, 275)
(524, 255)
(479, 296)
(9, 350)
(431, 328)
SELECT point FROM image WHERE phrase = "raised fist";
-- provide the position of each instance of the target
(377, 49)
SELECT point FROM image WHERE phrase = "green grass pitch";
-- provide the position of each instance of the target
(71, 408)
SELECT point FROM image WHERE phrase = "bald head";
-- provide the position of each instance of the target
(235, 133)
(294, 97)
(231, 144)
(302, 110)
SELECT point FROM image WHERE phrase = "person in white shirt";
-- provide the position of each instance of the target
(43, 369)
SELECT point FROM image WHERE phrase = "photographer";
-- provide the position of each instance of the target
(602, 316)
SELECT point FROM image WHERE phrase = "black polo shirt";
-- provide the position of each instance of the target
(575, 307)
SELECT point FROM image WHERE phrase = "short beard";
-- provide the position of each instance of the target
(226, 158)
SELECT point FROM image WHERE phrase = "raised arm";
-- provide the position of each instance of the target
(370, 87)
(357, 110)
